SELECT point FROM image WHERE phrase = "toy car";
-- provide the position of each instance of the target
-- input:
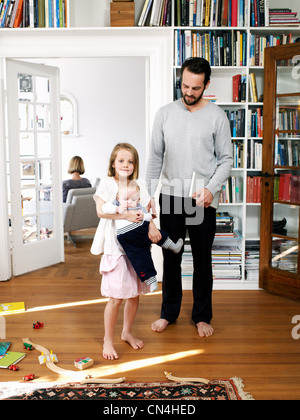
(29, 377)
(38, 325)
(27, 346)
(13, 367)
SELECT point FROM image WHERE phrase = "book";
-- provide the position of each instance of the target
(16, 21)
(236, 88)
(11, 308)
(11, 358)
(200, 181)
(253, 87)
(4, 346)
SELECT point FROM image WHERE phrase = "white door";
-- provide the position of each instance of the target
(35, 165)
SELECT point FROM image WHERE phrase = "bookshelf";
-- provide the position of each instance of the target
(248, 142)
(90, 20)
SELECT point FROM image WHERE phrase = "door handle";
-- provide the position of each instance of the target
(266, 175)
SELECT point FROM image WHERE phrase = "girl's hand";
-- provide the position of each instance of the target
(154, 234)
(133, 216)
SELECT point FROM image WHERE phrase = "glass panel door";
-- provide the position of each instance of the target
(280, 214)
(34, 139)
(286, 205)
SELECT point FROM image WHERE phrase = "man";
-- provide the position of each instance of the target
(190, 134)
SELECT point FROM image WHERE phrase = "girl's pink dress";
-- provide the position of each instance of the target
(119, 280)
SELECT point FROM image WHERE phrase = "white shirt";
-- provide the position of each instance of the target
(105, 240)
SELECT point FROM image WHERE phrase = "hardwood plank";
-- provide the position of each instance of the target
(252, 339)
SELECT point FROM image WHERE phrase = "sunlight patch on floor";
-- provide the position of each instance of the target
(67, 305)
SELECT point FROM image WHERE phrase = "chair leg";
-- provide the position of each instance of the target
(71, 240)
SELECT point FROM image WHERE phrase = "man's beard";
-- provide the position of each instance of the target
(195, 101)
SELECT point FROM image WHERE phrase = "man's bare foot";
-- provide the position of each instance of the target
(204, 329)
(109, 352)
(132, 341)
(160, 325)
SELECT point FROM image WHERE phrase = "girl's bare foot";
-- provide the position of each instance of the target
(204, 329)
(109, 352)
(160, 325)
(132, 341)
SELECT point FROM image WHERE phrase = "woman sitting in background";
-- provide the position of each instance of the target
(76, 168)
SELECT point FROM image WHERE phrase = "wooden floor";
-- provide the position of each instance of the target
(252, 332)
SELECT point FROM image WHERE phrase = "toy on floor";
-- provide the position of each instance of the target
(50, 365)
(27, 346)
(47, 358)
(13, 367)
(37, 325)
(29, 377)
(177, 379)
(83, 363)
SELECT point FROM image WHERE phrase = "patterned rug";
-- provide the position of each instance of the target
(231, 389)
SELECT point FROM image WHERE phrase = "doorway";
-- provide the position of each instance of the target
(156, 52)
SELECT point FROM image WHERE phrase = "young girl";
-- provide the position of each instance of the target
(119, 280)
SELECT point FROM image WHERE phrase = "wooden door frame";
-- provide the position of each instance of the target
(271, 278)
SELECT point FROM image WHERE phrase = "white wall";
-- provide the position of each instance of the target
(110, 93)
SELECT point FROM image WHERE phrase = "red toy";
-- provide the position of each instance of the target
(38, 325)
(28, 377)
(13, 367)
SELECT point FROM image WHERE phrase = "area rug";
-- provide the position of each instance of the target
(231, 389)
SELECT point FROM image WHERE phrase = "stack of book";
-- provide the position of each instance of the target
(8, 358)
(262, 15)
(283, 17)
(156, 13)
(253, 194)
(289, 118)
(226, 262)
(285, 255)
(255, 122)
(224, 222)
(287, 152)
(232, 191)
(287, 188)
(239, 82)
(252, 260)
(258, 43)
(214, 13)
(254, 154)
(238, 154)
(237, 122)
(33, 13)
(226, 48)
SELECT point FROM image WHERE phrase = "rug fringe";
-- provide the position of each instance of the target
(238, 382)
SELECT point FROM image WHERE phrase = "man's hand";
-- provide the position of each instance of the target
(152, 206)
(203, 197)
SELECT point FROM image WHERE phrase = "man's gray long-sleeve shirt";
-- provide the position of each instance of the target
(183, 142)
